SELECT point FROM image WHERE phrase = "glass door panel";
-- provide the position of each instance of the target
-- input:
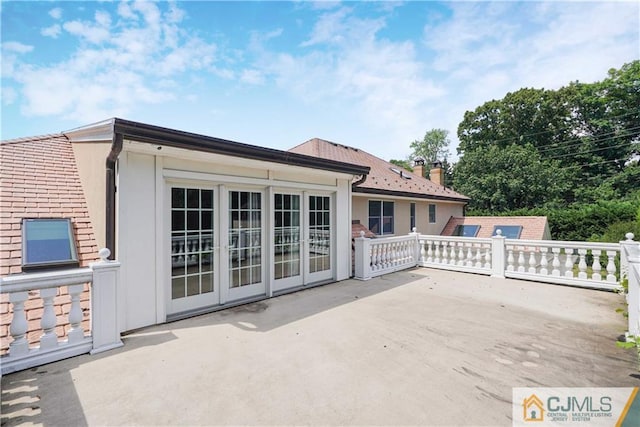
(245, 244)
(287, 239)
(192, 249)
(320, 239)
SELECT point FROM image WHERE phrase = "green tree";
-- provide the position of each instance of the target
(587, 131)
(434, 146)
(405, 164)
(500, 179)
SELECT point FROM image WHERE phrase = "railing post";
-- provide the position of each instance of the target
(416, 246)
(630, 258)
(498, 251)
(104, 304)
(363, 257)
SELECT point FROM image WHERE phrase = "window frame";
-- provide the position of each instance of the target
(412, 216)
(462, 228)
(71, 261)
(382, 217)
(432, 215)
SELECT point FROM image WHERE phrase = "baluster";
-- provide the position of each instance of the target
(596, 267)
(510, 259)
(568, 263)
(470, 255)
(543, 261)
(426, 253)
(452, 253)
(532, 261)
(377, 258)
(611, 266)
(556, 262)
(582, 265)
(521, 261)
(19, 326)
(461, 260)
(48, 339)
(76, 333)
(479, 256)
(387, 254)
(487, 257)
(437, 255)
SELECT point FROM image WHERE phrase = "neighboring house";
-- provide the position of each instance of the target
(197, 222)
(390, 200)
(512, 227)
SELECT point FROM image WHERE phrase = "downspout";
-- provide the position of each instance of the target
(362, 179)
(110, 211)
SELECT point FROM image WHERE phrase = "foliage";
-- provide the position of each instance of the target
(583, 222)
(581, 134)
(434, 146)
(405, 164)
(487, 176)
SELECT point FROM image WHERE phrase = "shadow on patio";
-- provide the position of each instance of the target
(416, 347)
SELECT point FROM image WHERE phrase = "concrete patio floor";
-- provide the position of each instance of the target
(419, 347)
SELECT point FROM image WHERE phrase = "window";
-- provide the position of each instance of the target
(508, 231)
(381, 217)
(412, 217)
(432, 213)
(466, 230)
(48, 243)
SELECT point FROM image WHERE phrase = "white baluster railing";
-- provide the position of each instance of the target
(104, 334)
(466, 254)
(375, 257)
(573, 263)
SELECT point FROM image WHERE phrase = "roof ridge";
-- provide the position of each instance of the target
(33, 138)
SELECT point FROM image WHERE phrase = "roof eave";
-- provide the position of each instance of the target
(175, 138)
(393, 193)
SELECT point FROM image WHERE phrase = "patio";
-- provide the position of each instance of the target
(421, 347)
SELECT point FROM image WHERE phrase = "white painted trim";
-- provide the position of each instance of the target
(121, 249)
(208, 177)
(43, 280)
(37, 357)
(163, 257)
(223, 222)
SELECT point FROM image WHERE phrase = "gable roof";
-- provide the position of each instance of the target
(39, 179)
(382, 178)
(533, 227)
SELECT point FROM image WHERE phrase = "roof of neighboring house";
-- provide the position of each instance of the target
(533, 227)
(39, 179)
(384, 178)
(357, 228)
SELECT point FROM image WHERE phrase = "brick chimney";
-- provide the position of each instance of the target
(418, 167)
(436, 174)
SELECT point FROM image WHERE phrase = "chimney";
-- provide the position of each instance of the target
(436, 174)
(418, 167)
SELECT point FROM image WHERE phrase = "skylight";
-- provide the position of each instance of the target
(402, 174)
(466, 230)
(48, 243)
(508, 231)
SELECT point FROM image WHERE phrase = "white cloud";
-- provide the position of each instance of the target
(53, 31)
(9, 95)
(55, 13)
(16, 47)
(116, 69)
(253, 77)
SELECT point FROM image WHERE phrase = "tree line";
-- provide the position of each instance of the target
(570, 154)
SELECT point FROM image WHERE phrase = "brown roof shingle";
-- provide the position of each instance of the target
(533, 227)
(381, 178)
(39, 179)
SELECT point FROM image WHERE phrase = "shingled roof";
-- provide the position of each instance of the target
(533, 227)
(39, 179)
(384, 177)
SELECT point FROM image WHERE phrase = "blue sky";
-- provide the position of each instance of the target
(374, 75)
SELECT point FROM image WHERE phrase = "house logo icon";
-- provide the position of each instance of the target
(533, 408)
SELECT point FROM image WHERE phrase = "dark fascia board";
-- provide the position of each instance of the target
(410, 195)
(190, 141)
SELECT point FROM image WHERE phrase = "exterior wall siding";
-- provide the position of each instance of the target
(402, 212)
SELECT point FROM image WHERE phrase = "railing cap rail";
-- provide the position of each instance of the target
(563, 244)
(454, 239)
(49, 279)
